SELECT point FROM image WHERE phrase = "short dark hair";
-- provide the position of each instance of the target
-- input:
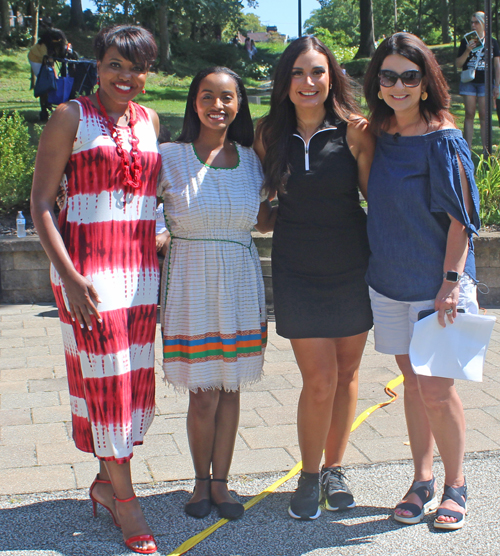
(240, 130)
(411, 47)
(132, 41)
(276, 129)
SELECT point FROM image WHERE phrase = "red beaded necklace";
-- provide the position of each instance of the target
(132, 172)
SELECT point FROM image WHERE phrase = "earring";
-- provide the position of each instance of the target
(424, 95)
(380, 95)
(143, 91)
(331, 85)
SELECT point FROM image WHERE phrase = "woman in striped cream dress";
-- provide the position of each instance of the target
(213, 304)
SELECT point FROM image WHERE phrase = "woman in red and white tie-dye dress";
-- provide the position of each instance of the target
(104, 271)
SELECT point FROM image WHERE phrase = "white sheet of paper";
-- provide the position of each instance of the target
(456, 351)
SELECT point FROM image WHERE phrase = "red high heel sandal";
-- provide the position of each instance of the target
(95, 501)
(138, 538)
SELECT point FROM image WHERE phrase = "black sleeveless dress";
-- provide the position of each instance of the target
(320, 245)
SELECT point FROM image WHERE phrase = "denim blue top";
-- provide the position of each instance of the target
(414, 184)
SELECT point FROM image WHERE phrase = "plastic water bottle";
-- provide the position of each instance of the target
(21, 225)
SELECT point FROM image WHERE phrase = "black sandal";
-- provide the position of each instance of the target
(229, 510)
(425, 490)
(458, 495)
(201, 508)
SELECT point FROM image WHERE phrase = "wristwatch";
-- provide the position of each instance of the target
(452, 276)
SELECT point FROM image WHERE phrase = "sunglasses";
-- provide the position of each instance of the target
(410, 78)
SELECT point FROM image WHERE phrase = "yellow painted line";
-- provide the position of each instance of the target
(193, 541)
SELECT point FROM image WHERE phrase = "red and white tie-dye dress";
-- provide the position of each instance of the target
(109, 232)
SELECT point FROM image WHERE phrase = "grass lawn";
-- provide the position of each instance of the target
(167, 94)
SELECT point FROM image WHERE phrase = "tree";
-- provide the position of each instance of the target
(76, 19)
(445, 25)
(366, 38)
(5, 7)
(253, 24)
(164, 35)
(340, 17)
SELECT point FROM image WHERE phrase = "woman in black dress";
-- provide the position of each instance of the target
(316, 153)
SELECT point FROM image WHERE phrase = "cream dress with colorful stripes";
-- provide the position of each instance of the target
(213, 304)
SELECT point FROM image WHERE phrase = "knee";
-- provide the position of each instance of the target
(319, 387)
(436, 397)
(229, 397)
(203, 403)
(469, 114)
(347, 374)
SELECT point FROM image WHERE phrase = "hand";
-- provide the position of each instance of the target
(472, 44)
(162, 242)
(82, 299)
(446, 300)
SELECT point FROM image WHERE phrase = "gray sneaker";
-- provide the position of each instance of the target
(335, 491)
(305, 500)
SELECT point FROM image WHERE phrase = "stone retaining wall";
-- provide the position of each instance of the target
(24, 269)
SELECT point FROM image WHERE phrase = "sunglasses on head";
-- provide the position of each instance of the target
(410, 78)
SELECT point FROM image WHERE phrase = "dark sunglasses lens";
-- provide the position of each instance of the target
(387, 78)
(411, 78)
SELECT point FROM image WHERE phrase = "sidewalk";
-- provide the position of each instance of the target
(44, 506)
(38, 455)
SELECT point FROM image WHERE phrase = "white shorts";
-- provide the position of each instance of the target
(394, 320)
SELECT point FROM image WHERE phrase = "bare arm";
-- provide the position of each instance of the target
(266, 217)
(460, 61)
(496, 68)
(457, 246)
(156, 121)
(267, 213)
(54, 150)
(362, 145)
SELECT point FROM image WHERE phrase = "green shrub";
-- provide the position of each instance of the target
(488, 183)
(338, 42)
(17, 161)
(357, 68)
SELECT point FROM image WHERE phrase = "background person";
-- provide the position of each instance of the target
(104, 272)
(51, 44)
(213, 303)
(473, 92)
(423, 211)
(316, 152)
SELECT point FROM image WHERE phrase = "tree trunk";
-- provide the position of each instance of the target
(164, 35)
(419, 24)
(395, 16)
(76, 19)
(445, 24)
(5, 7)
(366, 39)
(126, 9)
(35, 12)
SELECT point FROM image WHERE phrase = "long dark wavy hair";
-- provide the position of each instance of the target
(240, 130)
(277, 127)
(411, 47)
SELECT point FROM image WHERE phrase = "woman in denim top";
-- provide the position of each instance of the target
(423, 210)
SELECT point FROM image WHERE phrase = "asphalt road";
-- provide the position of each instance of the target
(62, 523)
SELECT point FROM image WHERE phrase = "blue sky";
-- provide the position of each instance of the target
(282, 13)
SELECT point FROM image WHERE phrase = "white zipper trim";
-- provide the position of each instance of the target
(306, 145)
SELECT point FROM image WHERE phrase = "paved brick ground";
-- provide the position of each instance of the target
(38, 455)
